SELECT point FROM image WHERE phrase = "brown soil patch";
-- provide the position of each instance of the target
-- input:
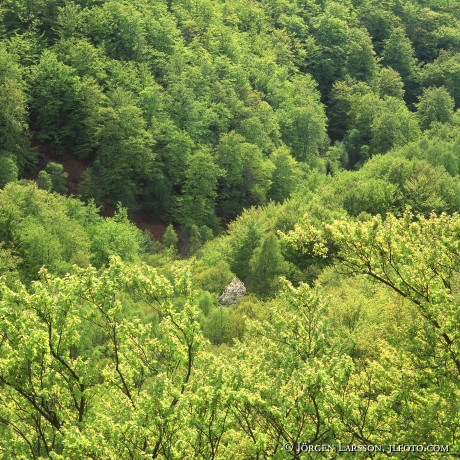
(75, 167)
(157, 229)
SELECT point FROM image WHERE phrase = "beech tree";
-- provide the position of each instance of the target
(417, 257)
(13, 113)
(301, 116)
(444, 71)
(198, 201)
(66, 382)
(435, 104)
(392, 126)
(56, 100)
(389, 83)
(170, 239)
(282, 393)
(9, 170)
(398, 53)
(247, 177)
(424, 271)
(361, 60)
(332, 35)
(286, 175)
(243, 248)
(125, 149)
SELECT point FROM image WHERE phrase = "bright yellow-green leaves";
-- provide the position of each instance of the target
(72, 362)
(414, 375)
(418, 257)
(83, 375)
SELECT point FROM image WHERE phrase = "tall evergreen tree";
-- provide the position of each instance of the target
(266, 265)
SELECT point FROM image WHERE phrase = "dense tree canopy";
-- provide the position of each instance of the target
(138, 88)
(294, 167)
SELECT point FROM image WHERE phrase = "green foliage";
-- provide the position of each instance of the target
(56, 100)
(266, 265)
(41, 247)
(195, 239)
(393, 126)
(92, 378)
(389, 83)
(247, 177)
(205, 302)
(9, 170)
(83, 56)
(39, 227)
(51, 230)
(287, 360)
(416, 258)
(342, 98)
(211, 270)
(243, 248)
(436, 149)
(57, 177)
(213, 277)
(197, 236)
(422, 271)
(431, 189)
(71, 381)
(140, 90)
(125, 149)
(398, 53)
(195, 112)
(9, 266)
(13, 111)
(374, 196)
(22, 14)
(361, 60)
(216, 327)
(170, 238)
(444, 71)
(435, 105)
(117, 236)
(44, 181)
(197, 203)
(301, 116)
(286, 175)
(362, 313)
(332, 35)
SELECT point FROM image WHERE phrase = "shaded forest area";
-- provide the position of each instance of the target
(300, 160)
(194, 111)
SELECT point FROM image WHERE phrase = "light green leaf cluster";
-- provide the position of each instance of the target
(76, 365)
(412, 369)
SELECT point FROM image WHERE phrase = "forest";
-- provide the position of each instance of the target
(229, 230)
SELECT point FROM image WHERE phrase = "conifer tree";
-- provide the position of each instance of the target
(170, 238)
(266, 265)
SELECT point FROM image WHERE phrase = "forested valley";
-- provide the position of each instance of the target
(229, 229)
